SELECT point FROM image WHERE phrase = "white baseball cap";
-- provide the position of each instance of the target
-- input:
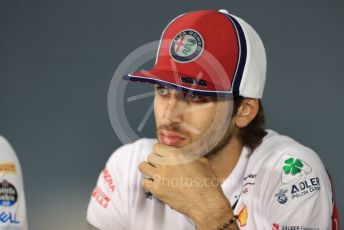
(191, 42)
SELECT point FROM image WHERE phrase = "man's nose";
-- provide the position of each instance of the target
(174, 109)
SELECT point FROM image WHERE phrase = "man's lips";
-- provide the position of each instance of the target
(170, 138)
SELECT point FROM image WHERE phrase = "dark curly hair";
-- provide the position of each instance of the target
(253, 133)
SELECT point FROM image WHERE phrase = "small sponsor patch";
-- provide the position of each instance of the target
(100, 197)
(250, 176)
(148, 195)
(305, 188)
(250, 179)
(293, 168)
(108, 179)
(7, 168)
(281, 196)
(8, 194)
(187, 46)
(243, 215)
(297, 227)
(275, 226)
(8, 218)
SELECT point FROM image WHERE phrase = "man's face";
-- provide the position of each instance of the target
(196, 123)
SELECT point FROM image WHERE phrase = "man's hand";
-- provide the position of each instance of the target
(187, 184)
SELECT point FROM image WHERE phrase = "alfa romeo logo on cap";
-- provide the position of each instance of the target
(187, 46)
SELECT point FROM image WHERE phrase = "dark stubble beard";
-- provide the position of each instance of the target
(218, 145)
(222, 142)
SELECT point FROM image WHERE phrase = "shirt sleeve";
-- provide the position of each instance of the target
(107, 208)
(12, 198)
(296, 192)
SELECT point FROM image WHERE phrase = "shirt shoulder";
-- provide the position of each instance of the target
(127, 157)
(6, 151)
(12, 200)
(117, 186)
(8, 159)
(277, 148)
(284, 177)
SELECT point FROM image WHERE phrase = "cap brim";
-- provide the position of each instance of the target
(172, 80)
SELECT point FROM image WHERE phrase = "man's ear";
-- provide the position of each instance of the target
(246, 112)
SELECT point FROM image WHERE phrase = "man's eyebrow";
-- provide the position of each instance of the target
(159, 85)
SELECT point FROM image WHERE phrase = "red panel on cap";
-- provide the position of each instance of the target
(216, 64)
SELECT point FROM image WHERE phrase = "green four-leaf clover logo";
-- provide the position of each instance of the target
(292, 166)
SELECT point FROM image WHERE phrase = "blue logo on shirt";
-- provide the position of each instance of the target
(7, 217)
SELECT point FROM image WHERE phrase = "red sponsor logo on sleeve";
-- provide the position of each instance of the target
(100, 197)
(275, 226)
(108, 179)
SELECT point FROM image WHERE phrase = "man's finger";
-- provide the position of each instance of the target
(147, 169)
(155, 159)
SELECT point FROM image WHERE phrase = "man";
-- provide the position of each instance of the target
(12, 199)
(212, 166)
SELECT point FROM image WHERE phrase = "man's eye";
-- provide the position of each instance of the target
(195, 98)
(162, 90)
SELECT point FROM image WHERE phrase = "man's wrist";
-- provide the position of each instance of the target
(214, 219)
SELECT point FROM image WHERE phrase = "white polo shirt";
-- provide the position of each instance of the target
(281, 185)
(12, 199)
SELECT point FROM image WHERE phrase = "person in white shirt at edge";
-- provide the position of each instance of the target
(213, 165)
(12, 198)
